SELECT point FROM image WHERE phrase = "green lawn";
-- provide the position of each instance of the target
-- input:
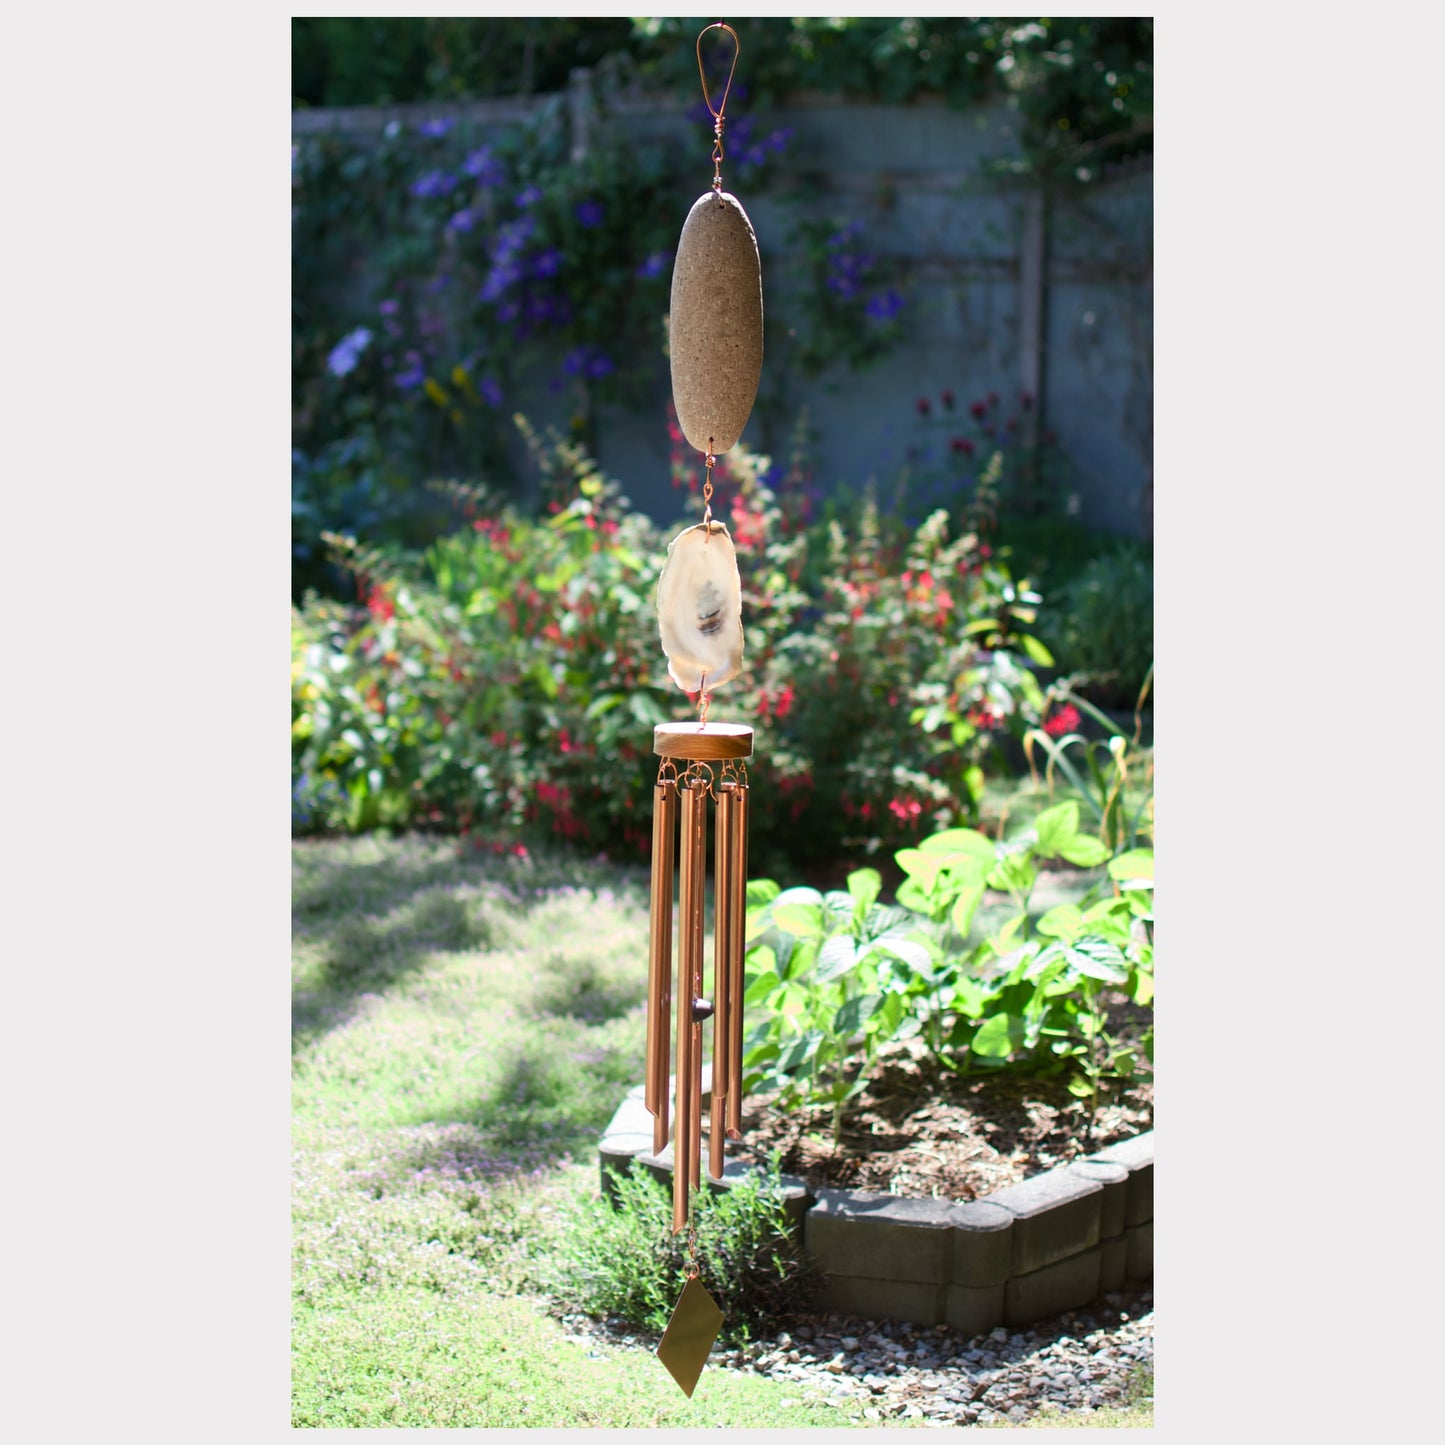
(464, 1026)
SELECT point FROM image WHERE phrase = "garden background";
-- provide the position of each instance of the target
(944, 498)
(150, 916)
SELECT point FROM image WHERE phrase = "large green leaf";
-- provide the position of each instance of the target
(910, 950)
(799, 919)
(1098, 958)
(966, 905)
(998, 1036)
(864, 885)
(761, 890)
(1036, 650)
(800, 894)
(837, 957)
(922, 868)
(1056, 827)
(1136, 863)
(968, 842)
(1061, 922)
(1084, 850)
(850, 1018)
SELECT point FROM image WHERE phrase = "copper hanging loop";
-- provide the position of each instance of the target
(717, 113)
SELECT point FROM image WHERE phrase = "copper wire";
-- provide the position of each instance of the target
(717, 112)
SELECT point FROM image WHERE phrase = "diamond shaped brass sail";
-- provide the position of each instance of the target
(689, 1336)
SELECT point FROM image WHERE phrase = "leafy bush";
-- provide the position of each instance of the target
(835, 976)
(511, 675)
(620, 1257)
(1106, 625)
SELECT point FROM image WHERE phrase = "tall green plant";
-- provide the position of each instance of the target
(838, 976)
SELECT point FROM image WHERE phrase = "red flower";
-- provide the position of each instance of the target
(977, 410)
(961, 444)
(923, 407)
(1063, 721)
(946, 397)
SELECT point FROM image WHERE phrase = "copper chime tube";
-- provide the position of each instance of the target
(687, 1145)
(659, 975)
(722, 975)
(735, 888)
(685, 801)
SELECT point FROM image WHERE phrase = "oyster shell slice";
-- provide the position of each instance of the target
(700, 608)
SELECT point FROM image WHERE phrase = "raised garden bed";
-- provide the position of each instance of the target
(1055, 1241)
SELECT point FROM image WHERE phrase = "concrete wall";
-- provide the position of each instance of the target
(1070, 320)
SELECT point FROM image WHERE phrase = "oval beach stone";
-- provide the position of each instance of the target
(715, 335)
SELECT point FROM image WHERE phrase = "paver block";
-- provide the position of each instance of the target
(1056, 1214)
(880, 1236)
(1067, 1285)
(920, 1304)
(1115, 1179)
(1137, 1156)
(973, 1310)
(1139, 1262)
(1113, 1257)
(982, 1245)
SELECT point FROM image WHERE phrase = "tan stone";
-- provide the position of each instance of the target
(716, 327)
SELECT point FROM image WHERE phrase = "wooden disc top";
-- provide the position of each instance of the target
(710, 743)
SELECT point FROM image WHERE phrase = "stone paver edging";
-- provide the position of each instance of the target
(1054, 1242)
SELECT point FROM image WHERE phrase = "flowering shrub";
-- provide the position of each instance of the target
(440, 272)
(511, 675)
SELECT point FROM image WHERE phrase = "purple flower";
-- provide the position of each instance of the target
(548, 262)
(414, 374)
(574, 361)
(434, 183)
(511, 237)
(483, 167)
(779, 138)
(590, 213)
(654, 264)
(436, 128)
(499, 278)
(600, 365)
(464, 220)
(529, 196)
(347, 352)
(389, 307)
(884, 306)
(490, 392)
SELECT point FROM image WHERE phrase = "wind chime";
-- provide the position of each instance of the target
(716, 351)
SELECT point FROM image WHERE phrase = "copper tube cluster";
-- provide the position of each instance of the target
(680, 806)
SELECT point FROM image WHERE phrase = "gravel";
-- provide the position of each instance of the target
(1070, 1364)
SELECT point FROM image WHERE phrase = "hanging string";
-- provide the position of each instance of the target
(717, 112)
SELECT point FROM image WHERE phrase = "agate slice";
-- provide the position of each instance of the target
(700, 608)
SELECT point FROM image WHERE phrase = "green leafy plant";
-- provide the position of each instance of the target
(836, 976)
(618, 1256)
(1109, 943)
(509, 675)
(1105, 625)
(1113, 776)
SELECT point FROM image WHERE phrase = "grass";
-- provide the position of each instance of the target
(464, 1026)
